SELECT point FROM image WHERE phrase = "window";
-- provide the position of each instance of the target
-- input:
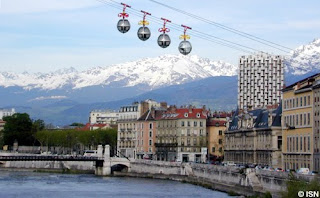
(150, 133)
(213, 149)
(305, 101)
(201, 124)
(201, 132)
(150, 126)
(308, 143)
(186, 115)
(182, 123)
(195, 123)
(297, 120)
(194, 141)
(300, 119)
(220, 141)
(188, 141)
(150, 142)
(301, 143)
(220, 132)
(189, 123)
(304, 119)
(308, 100)
(297, 102)
(141, 133)
(188, 132)
(300, 101)
(220, 149)
(297, 144)
(198, 115)
(308, 118)
(304, 144)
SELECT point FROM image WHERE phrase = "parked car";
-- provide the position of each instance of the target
(304, 171)
(313, 173)
(279, 170)
(90, 153)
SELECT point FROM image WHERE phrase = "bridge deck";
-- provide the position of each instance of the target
(49, 158)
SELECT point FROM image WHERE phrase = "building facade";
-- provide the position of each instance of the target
(146, 133)
(217, 124)
(260, 81)
(103, 117)
(127, 126)
(181, 135)
(301, 107)
(255, 137)
(6, 112)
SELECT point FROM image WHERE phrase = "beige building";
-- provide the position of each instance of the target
(181, 135)
(217, 124)
(300, 120)
(255, 137)
(127, 126)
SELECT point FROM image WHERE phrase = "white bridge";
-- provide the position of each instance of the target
(103, 167)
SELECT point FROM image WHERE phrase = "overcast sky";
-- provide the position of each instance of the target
(46, 35)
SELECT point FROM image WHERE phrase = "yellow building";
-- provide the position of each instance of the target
(216, 127)
(300, 122)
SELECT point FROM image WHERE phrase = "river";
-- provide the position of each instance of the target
(32, 184)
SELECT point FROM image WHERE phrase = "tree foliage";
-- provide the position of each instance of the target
(72, 138)
(21, 128)
(294, 185)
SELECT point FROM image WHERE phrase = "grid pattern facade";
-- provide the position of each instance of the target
(260, 81)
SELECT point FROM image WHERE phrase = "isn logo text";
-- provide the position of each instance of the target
(308, 194)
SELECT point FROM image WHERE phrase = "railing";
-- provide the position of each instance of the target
(49, 158)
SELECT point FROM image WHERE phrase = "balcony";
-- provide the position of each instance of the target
(166, 144)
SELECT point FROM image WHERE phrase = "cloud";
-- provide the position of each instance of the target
(48, 98)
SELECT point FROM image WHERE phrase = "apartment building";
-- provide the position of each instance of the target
(146, 132)
(181, 134)
(255, 137)
(127, 126)
(217, 124)
(301, 107)
(6, 112)
(103, 117)
(260, 81)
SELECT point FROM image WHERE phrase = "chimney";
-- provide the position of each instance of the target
(153, 112)
(190, 108)
(144, 107)
(164, 105)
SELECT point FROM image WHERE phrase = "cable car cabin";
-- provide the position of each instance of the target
(164, 40)
(185, 47)
(123, 25)
(144, 33)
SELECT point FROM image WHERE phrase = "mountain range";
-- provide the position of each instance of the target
(68, 95)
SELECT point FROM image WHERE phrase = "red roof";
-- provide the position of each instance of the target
(88, 126)
(216, 123)
(183, 113)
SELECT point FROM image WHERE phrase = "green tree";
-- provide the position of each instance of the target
(294, 185)
(18, 127)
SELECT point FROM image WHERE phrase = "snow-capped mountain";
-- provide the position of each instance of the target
(304, 59)
(152, 72)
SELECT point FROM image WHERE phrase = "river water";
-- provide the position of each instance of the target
(31, 184)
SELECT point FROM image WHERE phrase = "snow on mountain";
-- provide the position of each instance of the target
(304, 59)
(153, 72)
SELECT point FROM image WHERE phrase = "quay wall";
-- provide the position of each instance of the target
(246, 182)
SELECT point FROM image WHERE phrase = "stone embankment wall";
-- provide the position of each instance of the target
(245, 182)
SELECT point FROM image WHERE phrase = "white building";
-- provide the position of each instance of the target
(103, 117)
(6, 112)
(260, 80)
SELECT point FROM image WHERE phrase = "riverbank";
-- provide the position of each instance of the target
(230, 190)
(45, 170)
